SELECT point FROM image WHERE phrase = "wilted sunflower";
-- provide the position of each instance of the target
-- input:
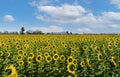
(55, 57)
(71, 68)
(62, 58)
(1, 53)
(38, 58)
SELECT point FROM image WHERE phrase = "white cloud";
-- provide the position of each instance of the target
(48, 29)
(42, 2)
(116, 3)
(115, 26)
(77, 15)
(9, 18)
(84, 30)
(63, 14)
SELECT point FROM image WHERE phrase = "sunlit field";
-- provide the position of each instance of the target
(59, 56)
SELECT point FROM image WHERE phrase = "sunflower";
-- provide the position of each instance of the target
(70, 59)
(18, 47)
(38, 58)
(46, 54)
(17, 43)
(110, 48)
(19, 57)
(48, 59)
(13, 71)
(72, 49)
(85, 47)
(21, 62)
(31, 54)
(99, 56)
(97, 48)
(21, 52)
(7, 54)
(1, 53)
(55, 57)
(88, 62)
(31, 48)
(71, 67)
(113, 61)
(75, 61)
(115, 44)
(29, 59)
(110, 43)
(54, 51)
(7, 46)
(65, 45)
(62, 58)
(82, 63)
(25, 54)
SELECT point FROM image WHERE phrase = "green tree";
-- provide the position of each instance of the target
(22, 30)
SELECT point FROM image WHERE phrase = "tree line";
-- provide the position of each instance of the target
(22, 32)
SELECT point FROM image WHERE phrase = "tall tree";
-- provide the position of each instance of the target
(22, 30)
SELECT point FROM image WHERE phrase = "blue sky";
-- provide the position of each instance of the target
(77, 16)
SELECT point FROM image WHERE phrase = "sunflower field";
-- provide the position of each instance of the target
(59, 56)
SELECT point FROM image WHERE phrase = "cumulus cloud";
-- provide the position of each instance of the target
(116, 3)
(48, 29)
(77, 15)
(62, 14)
(9, 18)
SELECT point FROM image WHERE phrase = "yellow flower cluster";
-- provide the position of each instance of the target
(59, 55)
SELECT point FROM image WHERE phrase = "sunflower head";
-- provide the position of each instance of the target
(31, 55)
(62, 58)
(70, 59)
(29, 59)
(110, 48)
(71, 68)
(21, 62)
(99, 57)
(1, 53)
(55, 57)
(82, 64)
(7, 54)
(85, 47)
(38, 58)
(48, 59)
(21, 52)
(19, 57)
